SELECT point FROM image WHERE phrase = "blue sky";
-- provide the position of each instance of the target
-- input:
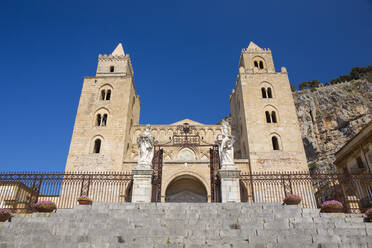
(184, 54)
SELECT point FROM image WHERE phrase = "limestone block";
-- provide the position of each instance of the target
(142, 187)
(230, 187)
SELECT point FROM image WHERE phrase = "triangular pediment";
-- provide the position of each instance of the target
(190, 122)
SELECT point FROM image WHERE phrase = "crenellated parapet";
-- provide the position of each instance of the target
(115, 64)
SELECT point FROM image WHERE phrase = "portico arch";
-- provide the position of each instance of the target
(186, 188)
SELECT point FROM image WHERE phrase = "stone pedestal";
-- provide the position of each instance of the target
(142, 190)
(230, 187)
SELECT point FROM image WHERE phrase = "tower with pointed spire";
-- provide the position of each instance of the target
(264, 115)
(109, 107)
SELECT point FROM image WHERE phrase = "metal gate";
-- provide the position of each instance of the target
(157, 165)
(185, 136)
(215, 180)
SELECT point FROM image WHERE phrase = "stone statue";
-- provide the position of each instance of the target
(145, 143)
(225, 142)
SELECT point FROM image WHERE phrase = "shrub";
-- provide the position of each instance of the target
(4, 211)
(292, 199)
(332, 206)
(5, 214)
(369, 213)
(84, 198)
(45, 206)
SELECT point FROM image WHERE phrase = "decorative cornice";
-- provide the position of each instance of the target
(112, 57)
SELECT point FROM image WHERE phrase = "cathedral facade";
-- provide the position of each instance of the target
(263, 122)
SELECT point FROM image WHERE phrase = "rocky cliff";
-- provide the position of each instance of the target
(330, 116)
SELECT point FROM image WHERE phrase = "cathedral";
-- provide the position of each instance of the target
(263, 126)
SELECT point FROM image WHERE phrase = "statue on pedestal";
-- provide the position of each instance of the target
(225, 142)
(145, 143)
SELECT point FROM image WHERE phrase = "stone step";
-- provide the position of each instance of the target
(186, 225)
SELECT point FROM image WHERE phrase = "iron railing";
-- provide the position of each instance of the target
(19, 191)
(353, 190)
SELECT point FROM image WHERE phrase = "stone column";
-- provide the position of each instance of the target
(230, 186)
(142, 187)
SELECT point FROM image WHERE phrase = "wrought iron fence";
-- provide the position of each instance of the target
(20, 191)
(353, 190)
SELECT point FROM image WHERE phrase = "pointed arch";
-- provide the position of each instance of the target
(105, 92)
(271, 114)
(186, 154)
(259, 62)
(103, 110)
(96, 146)
(275, 141)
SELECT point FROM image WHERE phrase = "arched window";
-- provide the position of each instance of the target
(97, 146)
(269, 93)
(263, 91)
(275, 143)
(273, 117)
(261, 64)
(104, 120)
(98, 120)
(255, 64)
(108, 95)
(268, 118)
(103, 94)
(112, 68)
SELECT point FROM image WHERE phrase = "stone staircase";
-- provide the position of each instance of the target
(185, 225)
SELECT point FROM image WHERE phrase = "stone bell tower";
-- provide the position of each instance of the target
(109, 106)
(264, 116)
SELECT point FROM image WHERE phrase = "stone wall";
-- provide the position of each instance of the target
(330, 116)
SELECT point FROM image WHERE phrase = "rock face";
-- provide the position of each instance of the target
(330, 116)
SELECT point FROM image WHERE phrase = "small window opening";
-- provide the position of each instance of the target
(112, 68)
(97, 146)
(263, 91)
(268, 118)
(98, 120)
(261, 65)
(108, 95)
(273, 116)
(360, 163)
(104, 120)
(103, 93)
(256, 64)
(269, 93)
(275, 143)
